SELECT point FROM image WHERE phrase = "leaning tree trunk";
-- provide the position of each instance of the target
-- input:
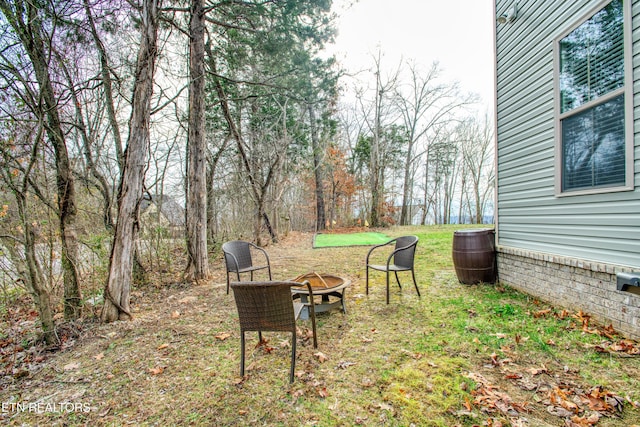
(196, 200)
(118, 288)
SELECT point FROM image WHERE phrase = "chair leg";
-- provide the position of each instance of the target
(413, 276)
(227, 283)
(397, 280)
(313, 327)
(293, 356)
(387, 287)
(367, 279)
(242, 354)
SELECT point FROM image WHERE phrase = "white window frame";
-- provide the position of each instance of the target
(627, 89)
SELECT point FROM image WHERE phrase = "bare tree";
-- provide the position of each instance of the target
(118, 288)
(425, 105)
(196, 200)
(379, 115)
(477, 155)
(25, 19)
(317, 169)
(17, 178)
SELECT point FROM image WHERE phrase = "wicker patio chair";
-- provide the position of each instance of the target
(269, 306)
(237, 259)
(401, 259)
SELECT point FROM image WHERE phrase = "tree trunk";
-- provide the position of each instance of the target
(105, 73)
(33, 274)
(118, 288)
(258, 190)
(317, 168)
(407, 185)
(34, 45)
(196, 200)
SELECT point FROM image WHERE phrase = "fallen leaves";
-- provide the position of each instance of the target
(156, 371)
(583, 408)
(345, 364)
(321, 357)
(490, 399)
(222, 336)
(621, 348)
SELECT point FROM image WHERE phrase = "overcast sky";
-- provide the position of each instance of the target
(458, 34)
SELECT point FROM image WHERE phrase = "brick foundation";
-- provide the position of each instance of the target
(573, 284)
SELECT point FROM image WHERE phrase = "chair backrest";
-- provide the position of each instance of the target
(404, 258)
(237, 255)
(265, 306)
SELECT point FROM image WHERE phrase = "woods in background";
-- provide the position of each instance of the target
(233, 110)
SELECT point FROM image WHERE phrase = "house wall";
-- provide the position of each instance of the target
(571, 246)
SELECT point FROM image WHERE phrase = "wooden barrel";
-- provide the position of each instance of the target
(474, 255)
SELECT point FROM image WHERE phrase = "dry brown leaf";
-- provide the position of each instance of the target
(71, 366)
(99, 356)
(222, 336)
(537, 371)
(321, 357)
(175, 314)
(541, 313)
(467, 404)
(559, 411)
(156, 371)
(591, 420)
(163, 346)
(345, 364)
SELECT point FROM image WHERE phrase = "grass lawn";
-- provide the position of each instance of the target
(482, 355)
(370, 238)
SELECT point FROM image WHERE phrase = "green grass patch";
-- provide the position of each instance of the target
(331, 240)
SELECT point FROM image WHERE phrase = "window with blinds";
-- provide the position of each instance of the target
(592, 112)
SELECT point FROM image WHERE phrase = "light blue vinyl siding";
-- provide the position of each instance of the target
(595, 227)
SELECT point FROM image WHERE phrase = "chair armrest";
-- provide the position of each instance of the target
(376, 247)
(311, 301)
(261, 250)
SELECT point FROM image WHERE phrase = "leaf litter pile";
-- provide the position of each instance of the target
(483, 355)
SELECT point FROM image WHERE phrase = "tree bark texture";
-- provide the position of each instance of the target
(196, 200)
(33, 274)
(118, 288)
(317, 168)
